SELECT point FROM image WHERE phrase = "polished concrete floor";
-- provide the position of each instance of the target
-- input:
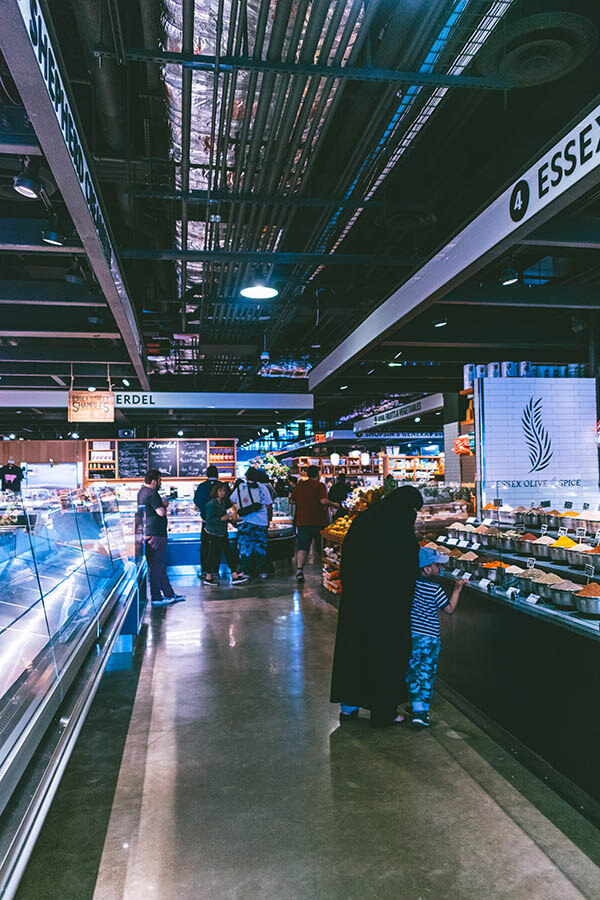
(214, 768)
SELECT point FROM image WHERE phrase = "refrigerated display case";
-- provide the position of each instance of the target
(63, 565)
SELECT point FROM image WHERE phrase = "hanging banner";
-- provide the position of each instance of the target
(91, 407)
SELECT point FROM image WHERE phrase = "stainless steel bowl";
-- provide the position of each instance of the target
(589, 606)
(507, 517)
(525, 547)
(564, 599)
(540, 551)
(558, 554)
(490, 540)
(554, 522)
(507, 544)
(496, 576)
(456, 533)
(544, 590)
(531, 519)
(525, 585)
(577, 559)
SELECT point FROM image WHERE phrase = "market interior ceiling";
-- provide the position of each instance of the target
(210, 171)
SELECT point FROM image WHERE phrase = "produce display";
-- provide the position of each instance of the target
(339, 528)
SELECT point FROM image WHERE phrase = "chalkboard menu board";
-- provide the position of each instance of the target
(133, 459)
(162, 455)
(192, 459)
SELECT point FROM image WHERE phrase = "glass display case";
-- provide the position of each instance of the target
(62, 557)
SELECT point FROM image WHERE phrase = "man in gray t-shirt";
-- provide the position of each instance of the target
(154, 510)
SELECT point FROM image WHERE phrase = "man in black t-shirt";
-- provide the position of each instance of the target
(154, 510)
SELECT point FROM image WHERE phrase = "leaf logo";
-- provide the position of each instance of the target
(536, 436)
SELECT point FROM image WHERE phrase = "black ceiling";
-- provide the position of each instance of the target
(283, 147)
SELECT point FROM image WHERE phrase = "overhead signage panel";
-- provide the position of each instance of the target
(426, 404)
(163, 400)
(85, 406)
(523, 206)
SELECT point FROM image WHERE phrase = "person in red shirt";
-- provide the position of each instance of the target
(310, 499)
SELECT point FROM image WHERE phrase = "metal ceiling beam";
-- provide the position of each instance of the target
(32, 53)
(566, 232)
(48, 293)
(49, 352)
(17, 136)
(528, 202)
(518, 343)
(201, 197)
(266, 257)
(207, 63)
(63, 370)
(49, 322)
(25, 236)
(550, 296)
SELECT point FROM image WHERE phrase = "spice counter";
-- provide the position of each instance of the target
(521, 654)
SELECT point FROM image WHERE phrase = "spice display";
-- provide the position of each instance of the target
(493, 530)
(528, 536)
(544, 540)
(549, 578)
(469, 527)
(512, 534)
(595, 549)
(570, 512)
(553, 512)
(590, 590)
(564, 542)
(582, 548)
(490, 505)
(456, 526)
(514, 570)
(533, 574)
(494, 564)
(469, 556)
(566, 586)
(482, 529)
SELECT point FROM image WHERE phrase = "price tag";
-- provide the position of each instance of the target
(475, 546)
(442, 539)
(463, 543)
(520, 529)
(484, 583)
(545, 504)
(544, 529)
(586, 506)
(491, 521)
(466, 576)
(589, 571)
(532, 598)
(597, 536)
(562, 532)
(568, 504)
(452, 542)
(580, 532)
(497, 501)
(512, 592)
(471, 520)
(456, 573)
(531, 563)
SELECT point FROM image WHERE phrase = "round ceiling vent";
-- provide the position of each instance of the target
(407, 218)
(538, 49)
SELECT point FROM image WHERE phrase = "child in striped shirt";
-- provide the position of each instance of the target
(429, 599)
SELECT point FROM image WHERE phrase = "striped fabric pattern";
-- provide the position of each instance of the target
(428, 600)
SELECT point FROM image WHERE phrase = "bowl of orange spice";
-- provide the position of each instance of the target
(587, 600)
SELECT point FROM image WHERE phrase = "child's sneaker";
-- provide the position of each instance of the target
(408, 711)
(421, 719)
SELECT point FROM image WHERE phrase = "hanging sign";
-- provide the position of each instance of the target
(91, 407)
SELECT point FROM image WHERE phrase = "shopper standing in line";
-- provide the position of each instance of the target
(154, 509)
(339, 491)
(201, 498)
(254, 507)
(311, 502)
(217, 519)
(378, 571)
(429, 599)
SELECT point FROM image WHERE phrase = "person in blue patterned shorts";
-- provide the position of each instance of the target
(253, 528)
(429, 599)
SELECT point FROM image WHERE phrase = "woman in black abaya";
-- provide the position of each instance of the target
(378, 572)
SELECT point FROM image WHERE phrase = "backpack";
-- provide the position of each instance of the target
(246, 506)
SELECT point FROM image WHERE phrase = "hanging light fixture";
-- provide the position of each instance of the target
(509, 276)
(334, 459)
(54, 234)
(27, 182)
(259, 292)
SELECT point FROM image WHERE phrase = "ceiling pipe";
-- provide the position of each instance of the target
(187, 13)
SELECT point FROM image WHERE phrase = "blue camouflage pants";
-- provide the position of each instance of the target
(421, 669)
(252, 542)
